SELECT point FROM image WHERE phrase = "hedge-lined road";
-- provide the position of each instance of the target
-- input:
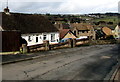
(80, 63)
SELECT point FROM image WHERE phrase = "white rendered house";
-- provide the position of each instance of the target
(34, 28)
(117, 32)
(38, 38)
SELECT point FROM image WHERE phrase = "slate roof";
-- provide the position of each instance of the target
(27, 23)
(99, 33)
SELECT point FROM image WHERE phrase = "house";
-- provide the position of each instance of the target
(100, 34)
(117, 32)
(108, 33)
(66, 33)
(104, 31)
(83, 30)
(34, 28)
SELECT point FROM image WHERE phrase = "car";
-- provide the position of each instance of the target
(64, 40)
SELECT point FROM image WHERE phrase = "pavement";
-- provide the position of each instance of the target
(117, 74)
(13, 58)
(80, 63)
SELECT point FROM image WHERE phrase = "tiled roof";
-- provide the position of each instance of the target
(27, 23)
(107, 30)
(81, 26)
(63, 32)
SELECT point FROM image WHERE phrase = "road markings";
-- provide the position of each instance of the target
(105, 57)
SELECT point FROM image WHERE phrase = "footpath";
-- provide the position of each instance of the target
(11, 58)
(116, 75)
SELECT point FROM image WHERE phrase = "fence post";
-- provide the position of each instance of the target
(46, 43)
(70, 41)
(74, 42)
(24, 48)
(21, 49)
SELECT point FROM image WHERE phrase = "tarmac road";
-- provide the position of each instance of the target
(80, 63)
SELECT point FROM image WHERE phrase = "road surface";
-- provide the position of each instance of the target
(80, 63)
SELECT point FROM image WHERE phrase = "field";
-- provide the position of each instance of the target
(113, 19)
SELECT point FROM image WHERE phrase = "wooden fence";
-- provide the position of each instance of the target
(102, 42)
(10, 41)
(70, 43)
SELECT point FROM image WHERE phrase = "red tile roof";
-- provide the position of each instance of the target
(63, 32)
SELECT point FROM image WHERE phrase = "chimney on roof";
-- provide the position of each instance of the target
(6, 10)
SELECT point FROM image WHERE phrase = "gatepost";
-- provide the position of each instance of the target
(74, 43)
(24, 48)
(71, 43)
(46, 43)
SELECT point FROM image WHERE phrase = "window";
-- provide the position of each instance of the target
(36, 39)
(29, 38)
(52, 37)
(40, 37)
(44, 37)
(83, 31)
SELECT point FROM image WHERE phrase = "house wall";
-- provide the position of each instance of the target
(69, 35)
(80, 34)
(84, 34)
(38, 38)
(117, 32)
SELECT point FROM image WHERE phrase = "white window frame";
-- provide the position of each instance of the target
(52, 37)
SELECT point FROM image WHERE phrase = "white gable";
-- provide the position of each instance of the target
(117, 29)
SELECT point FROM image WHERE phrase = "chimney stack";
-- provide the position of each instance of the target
(6, 10)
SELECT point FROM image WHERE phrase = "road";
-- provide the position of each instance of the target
(80, 63)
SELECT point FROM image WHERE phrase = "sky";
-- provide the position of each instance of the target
(61, 6)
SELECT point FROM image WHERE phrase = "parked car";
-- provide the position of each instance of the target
(82, 37)
(64, 40)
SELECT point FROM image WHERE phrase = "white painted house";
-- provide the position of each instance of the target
(117, 32)
(34, 28)
(38, 38)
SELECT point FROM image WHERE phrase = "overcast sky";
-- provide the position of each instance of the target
(61, 6)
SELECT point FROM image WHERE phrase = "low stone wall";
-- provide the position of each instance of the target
(102, 42)
(46, 46)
